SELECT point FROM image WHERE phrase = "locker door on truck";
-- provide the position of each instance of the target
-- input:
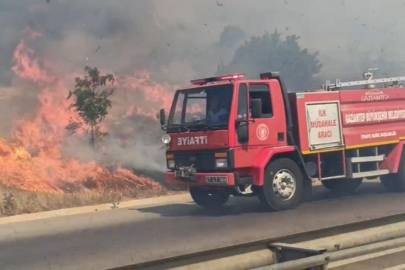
(324, 125)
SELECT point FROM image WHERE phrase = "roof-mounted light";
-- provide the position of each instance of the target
(270, 75)
(231, 77)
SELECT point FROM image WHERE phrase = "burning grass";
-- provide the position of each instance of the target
(16, 201)
(42, 167)
(38, 155)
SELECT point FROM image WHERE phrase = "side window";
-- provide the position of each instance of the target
(242, 102)
(262, 91)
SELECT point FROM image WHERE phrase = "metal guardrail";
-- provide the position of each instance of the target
(340, 241)
(322, 260)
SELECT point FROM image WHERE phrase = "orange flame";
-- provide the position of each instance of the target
(153, 91)
(35, 162)
(31, 33)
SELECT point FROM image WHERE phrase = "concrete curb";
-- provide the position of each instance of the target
(139, 203)
(136, 204)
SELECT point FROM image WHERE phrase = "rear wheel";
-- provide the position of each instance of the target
(209, 198)
(343, 186)
(395, 182)
(283, 185)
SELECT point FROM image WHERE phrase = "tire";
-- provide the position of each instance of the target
(395, 182)
(274, 194)
(343, 186)
(209, 198)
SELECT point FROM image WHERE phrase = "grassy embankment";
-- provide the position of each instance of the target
(14, 201)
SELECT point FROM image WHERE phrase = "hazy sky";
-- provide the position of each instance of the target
(343, 31)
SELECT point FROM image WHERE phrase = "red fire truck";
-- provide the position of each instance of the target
(230, 136)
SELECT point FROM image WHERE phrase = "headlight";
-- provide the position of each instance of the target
(221, 163)
(166, 139)
(171, 164)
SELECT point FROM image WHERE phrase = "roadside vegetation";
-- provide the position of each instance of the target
(271, 52)
(91, 102)
(15, 201)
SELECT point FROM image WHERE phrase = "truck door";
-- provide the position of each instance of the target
(267, 131)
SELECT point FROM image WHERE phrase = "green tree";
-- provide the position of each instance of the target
(91, 100)
(231, 37)
(272, 53)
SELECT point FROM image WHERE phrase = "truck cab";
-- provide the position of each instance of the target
(222, 132)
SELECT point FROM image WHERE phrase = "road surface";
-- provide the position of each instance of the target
(120, 237)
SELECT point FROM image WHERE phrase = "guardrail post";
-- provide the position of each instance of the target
(288, 252)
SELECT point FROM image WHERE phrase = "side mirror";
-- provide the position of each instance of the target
(256, 108)
(162, 117)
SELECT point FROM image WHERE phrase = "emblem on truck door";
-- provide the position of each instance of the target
(262, 132)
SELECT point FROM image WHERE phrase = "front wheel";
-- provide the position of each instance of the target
(283, 186)
(209, 198)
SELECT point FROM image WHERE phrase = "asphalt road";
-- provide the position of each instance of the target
(120, 237)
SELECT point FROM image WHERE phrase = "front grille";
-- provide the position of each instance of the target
(201, 161)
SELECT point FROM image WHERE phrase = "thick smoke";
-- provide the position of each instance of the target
(135, 145)
(177, 40)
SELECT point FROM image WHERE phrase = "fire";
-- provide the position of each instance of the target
(195, 109)
(31, 33)
(33, 159)
(21, 153)
(153, 91)
(134, 110)
(26, 68)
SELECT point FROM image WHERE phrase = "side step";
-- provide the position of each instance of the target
(367, 159)
(370, 173)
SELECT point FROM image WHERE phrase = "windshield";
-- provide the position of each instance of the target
(202, 108)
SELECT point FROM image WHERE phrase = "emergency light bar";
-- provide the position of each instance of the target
(230, 77)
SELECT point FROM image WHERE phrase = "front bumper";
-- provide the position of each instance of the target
(200, 180)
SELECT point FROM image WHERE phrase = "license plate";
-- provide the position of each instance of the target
(216, 179)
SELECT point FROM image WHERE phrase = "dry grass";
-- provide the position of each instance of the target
(14, 201)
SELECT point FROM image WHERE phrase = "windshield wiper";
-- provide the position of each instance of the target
(186, 128)
(195, 125)
(203, 124)
(179, 128)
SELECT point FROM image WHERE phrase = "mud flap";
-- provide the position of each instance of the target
(307, 190)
